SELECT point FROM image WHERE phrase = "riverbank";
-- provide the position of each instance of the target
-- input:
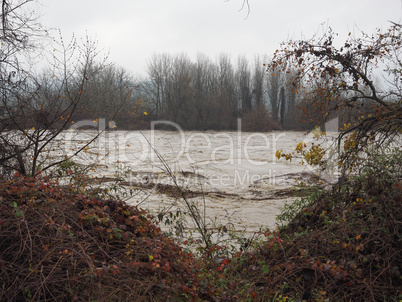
(66, 243)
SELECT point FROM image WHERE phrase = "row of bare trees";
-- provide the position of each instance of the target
(206, 94)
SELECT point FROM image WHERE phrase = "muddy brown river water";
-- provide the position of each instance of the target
(233, 177)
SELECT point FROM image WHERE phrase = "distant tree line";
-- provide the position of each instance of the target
(198, 94)
(205, 94)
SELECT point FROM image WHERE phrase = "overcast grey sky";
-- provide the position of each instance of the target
(133, 30)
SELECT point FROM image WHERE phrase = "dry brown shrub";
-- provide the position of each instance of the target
(345, 246)
(259, 120)
(57, 245)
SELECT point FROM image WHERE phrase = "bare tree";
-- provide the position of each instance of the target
(180, 91)
(258, 82)
(243, 79)
(282, 106)
(35, 109)
(343, 77)
(273, 85)
(156, 87)
(203, 83)
(109, 89)
(291, 88)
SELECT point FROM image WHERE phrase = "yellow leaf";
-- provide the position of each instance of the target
(358, 237)
(278, 154)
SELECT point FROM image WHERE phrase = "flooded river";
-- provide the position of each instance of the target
(233, 177)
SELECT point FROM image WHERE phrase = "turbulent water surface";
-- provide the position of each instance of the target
(232, 176)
